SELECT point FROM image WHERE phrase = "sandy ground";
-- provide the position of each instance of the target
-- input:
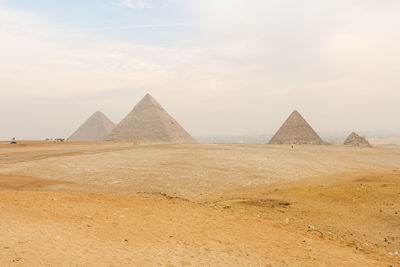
(125, 204)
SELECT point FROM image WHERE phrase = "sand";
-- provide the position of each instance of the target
(121, 204)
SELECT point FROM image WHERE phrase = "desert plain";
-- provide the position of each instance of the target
(155, 204)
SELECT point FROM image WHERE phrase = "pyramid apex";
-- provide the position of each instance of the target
(295, 112)
(148, 100)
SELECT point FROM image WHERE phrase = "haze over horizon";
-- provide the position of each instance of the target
(218, 67)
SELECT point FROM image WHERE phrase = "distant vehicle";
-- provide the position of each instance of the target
(13, 141)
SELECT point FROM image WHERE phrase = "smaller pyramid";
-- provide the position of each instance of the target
(96, 128)
(296, 130)
(149, 122)
(356, 140)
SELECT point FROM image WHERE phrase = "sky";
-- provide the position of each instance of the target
(219, 67)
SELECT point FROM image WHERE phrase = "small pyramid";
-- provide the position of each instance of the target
(149, 122)
(296, 130)
(356, 140)
(96, 128)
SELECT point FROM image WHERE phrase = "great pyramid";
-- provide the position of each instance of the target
(96, 128)
(356, 140)
(296, 130)
(149, 122)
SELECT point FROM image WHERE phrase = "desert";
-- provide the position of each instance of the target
(149, 204)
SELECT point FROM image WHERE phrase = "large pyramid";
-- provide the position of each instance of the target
(356, 140)
(296, 130)
(149, 122)
(96, 128)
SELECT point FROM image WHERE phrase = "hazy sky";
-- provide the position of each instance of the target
(220, 67)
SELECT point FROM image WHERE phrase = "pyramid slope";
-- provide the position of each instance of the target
(296, 130)
(356, 140)
(96, 128)
(149, 122)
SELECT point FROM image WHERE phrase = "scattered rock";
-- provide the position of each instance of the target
(17, 259)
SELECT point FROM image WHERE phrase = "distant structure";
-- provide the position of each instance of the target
(296, 130)
(356, 140)
(96, 128)
(149, 122)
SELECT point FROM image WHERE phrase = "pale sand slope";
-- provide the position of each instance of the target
(79, 229)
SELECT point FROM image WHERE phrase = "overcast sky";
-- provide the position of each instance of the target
(220, 67)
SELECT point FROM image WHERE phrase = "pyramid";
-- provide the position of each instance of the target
(296, 130)
(96, 128)
(356, 140)
(149, 122)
